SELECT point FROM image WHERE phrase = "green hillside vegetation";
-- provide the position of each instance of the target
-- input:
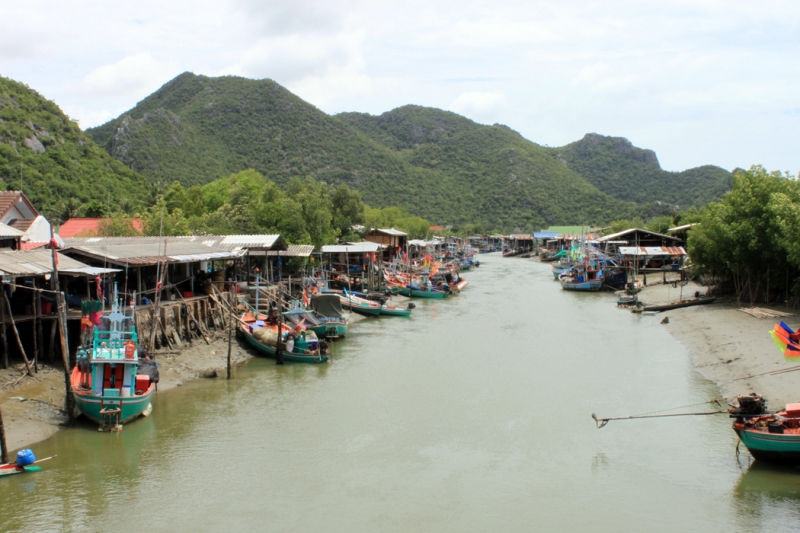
(432, 163)
(46, 154)
(616, 167)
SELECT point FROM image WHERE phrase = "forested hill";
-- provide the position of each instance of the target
(436, 164)
(616, 167)
(47, 155)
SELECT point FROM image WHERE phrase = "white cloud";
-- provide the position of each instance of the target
(665, 72)
(134, 76)
(481, 106)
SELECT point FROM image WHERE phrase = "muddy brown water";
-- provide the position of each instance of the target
(472, 415)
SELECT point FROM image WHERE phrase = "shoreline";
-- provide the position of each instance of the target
(726, 345)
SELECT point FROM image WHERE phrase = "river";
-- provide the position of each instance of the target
(472, 415)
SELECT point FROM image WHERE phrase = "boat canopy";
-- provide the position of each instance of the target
(327, 305)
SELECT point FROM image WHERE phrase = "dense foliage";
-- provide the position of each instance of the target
(305, 211)
(60, 169)
(432, 163)
(618, 168)
(748, 240)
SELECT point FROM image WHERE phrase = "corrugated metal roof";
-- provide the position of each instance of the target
(149, 253)
(652, 251)
(223, 242)
(632, 230)
(352, 248)
(294, 250)
(8, 231)
(35, 262)
(391, 231)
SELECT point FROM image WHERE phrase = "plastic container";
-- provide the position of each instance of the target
(25, 457)
(188, 294)
(47, 307)
(130, 350)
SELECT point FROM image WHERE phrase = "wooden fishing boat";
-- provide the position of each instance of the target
(391, 310)
(110, 383)
(581, 279)
(305, 350)
(677, 305)
(416, 291)
(360, 305)
(774, 437)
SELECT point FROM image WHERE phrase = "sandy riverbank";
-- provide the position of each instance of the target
(726, 344)
(33, 408)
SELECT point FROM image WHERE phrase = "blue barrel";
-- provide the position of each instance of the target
(25, 457)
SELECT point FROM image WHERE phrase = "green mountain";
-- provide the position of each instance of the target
(434, 163)
(46, 154)
(616, 167)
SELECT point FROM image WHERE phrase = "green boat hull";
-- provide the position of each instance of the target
(269, 351)
(366, 311)
(329, 331)
(131, 406)
(395, 312)
(413, 293)
(772, 447)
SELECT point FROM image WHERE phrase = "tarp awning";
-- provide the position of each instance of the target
(653, 251)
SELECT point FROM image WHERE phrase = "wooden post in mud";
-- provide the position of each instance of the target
(3, 332)
(61, 307)
(230, 336)
(3, 447)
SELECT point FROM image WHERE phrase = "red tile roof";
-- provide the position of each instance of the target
(436, 228)
(87, 227)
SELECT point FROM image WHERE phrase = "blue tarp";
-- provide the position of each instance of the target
(544, 235)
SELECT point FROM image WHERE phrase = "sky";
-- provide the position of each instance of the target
(699, 81)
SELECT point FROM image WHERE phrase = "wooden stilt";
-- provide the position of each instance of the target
(3, 332)
(3, 446)
(230, 341)
(16, 334)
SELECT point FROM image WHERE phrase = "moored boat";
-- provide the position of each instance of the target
(263, 337)
(773, 438)
(110, 383)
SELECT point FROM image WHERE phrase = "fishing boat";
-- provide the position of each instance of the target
(391, 310)
(263, 337)
(414, 290)
(676, 305)
(582, 277)
(329, 313)
(359, 305)
(770, 437)
(110, 383)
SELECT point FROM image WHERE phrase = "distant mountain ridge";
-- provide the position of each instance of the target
(435, 163)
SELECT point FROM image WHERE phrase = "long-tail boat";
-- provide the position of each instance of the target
(770, 437)
(111, 384)
(26, 463)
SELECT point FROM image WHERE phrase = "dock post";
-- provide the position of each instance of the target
(3, 333)
(230, 335)
(3, 446)
(65, 355)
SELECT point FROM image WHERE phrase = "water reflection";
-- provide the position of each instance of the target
(768, 497)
